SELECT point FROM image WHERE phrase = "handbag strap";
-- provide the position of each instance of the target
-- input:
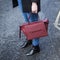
(30, 16)
(19, 31)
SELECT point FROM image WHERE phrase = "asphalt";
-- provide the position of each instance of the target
(10, 43)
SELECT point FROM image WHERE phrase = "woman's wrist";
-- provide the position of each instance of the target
(34, 3)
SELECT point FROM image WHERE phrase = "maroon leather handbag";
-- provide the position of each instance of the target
(35, 29)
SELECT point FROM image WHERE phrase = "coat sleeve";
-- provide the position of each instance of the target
(34, 1)
(14, 3)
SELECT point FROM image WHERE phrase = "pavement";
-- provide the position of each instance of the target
(10, 43)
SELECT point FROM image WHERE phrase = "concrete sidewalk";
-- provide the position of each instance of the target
(10, 44)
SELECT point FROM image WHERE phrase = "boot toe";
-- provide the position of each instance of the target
(32, 52)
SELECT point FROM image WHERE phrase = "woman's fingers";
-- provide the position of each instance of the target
(34, 11)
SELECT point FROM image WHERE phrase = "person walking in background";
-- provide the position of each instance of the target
(30, 8)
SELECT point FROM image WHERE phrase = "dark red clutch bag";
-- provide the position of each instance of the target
(35, 29)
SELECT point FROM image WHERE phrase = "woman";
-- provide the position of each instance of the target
(30, 8)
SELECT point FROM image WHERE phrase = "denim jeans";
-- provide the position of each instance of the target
(33, 17)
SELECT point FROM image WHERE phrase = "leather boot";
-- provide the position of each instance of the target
(34, 50)
(26, 43)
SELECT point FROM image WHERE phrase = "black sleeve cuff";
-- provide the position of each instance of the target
(34, 1)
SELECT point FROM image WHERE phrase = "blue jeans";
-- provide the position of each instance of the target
(33, 17)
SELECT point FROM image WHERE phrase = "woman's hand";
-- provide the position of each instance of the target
(34, 7)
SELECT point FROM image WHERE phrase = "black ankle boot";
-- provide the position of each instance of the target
(34, 50)
(26, 43)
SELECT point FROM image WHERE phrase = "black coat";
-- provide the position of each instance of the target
(14, 3)
(26, 5)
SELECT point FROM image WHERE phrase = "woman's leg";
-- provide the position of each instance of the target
(25, 15)
(33, 18)
(35, 42)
